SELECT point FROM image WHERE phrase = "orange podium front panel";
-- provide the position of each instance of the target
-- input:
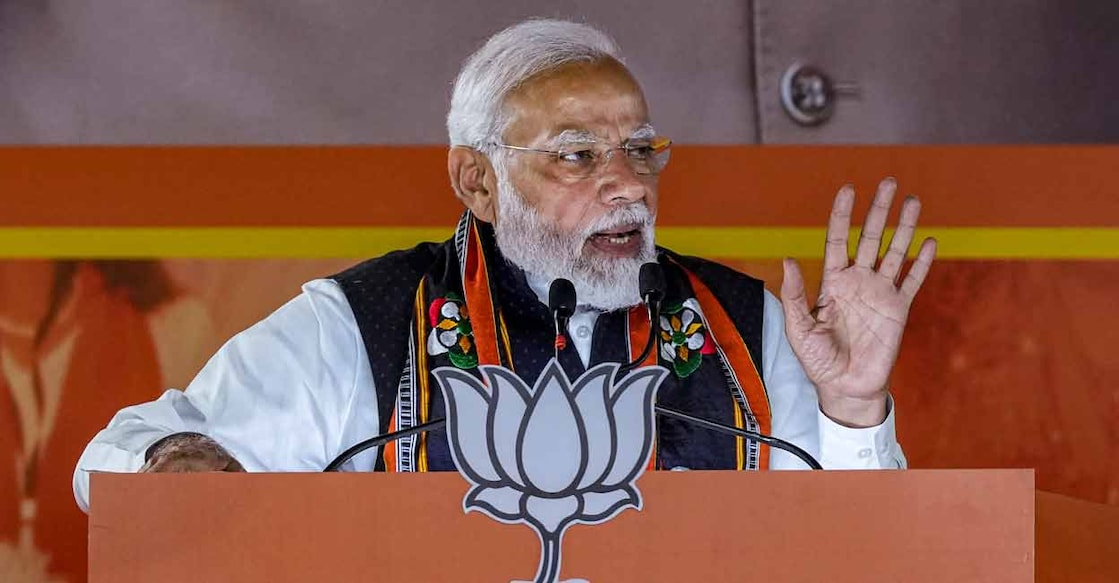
(912, 526)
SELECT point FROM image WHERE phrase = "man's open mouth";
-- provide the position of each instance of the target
(623, 241)
(619, 237)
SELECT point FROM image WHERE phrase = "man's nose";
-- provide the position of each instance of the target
(618, 183)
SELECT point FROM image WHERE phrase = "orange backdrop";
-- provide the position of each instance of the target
(1006, 363)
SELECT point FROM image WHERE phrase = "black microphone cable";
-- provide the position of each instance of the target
(434, 424)
(769, 440)
(380, 440)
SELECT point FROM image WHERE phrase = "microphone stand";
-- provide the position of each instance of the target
(660, 410)
(769, 440)
(653, 308)
(561, 300)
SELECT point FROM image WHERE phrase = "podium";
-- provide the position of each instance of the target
(912, 526)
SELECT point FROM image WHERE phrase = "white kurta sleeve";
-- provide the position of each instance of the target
(288, 394)
(797, 416)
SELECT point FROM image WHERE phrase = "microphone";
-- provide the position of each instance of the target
(650, 281)
(561, 301)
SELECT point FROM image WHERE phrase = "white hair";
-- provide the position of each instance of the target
(508, 59)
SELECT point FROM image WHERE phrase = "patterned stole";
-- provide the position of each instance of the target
(472, 308)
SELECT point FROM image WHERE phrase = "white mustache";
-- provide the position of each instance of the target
(636, 214)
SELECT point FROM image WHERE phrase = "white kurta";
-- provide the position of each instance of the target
(296, 389)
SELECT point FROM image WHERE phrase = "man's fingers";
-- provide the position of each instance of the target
(192, 461)
(920, 269)
(899, 244)
(870, 242)
(798, 320)
(177, 464)
(839, 223)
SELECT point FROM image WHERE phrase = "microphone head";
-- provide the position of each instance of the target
(650, 281)
(561, 298)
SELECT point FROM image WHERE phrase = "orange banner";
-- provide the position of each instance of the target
(988, 186)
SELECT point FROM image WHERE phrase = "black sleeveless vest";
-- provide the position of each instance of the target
(381, 292)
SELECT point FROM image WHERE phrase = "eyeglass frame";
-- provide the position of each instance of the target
(602, 156)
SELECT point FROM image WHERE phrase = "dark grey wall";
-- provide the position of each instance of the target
(374, 71)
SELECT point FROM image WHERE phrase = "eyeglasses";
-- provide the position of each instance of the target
(646, 156)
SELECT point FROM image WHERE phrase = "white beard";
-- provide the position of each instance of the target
(539, 248)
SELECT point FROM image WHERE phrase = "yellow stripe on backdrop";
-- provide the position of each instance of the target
(1072, 243)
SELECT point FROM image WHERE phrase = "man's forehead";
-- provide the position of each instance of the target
(600, 99)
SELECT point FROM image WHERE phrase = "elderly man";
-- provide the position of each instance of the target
(555, 157)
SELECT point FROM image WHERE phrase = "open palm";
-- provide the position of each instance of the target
(849, 342)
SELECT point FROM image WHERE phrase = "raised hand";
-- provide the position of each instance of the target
(849, 342)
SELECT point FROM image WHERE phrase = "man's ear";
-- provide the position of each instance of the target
(474, 182)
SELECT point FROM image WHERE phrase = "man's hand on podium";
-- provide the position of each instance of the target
(189, 452)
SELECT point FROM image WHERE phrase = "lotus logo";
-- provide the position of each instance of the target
(551, 455)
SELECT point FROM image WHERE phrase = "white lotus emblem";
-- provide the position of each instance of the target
(552, 455)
